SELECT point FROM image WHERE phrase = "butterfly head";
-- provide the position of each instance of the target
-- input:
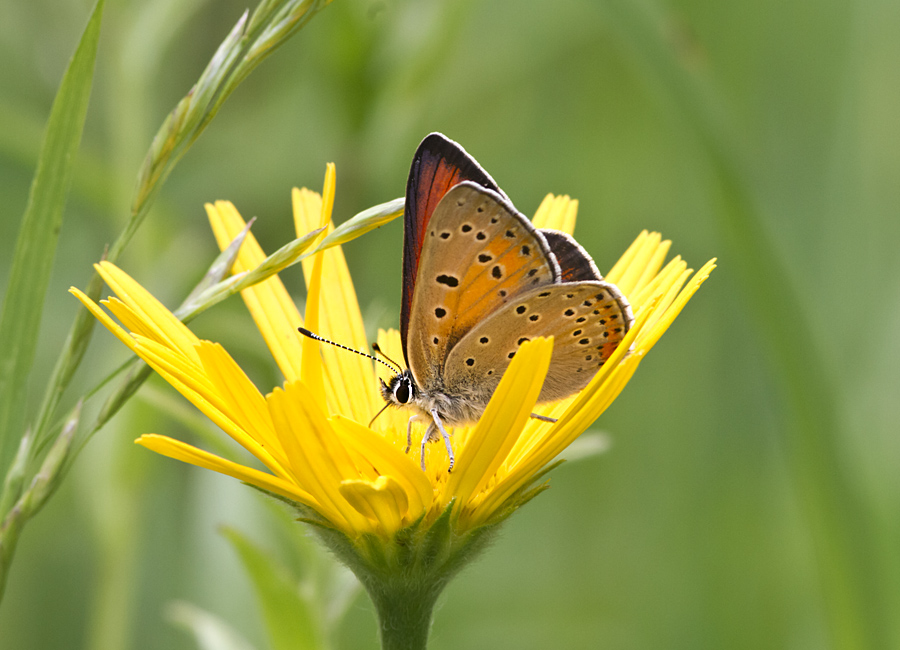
(401, 390)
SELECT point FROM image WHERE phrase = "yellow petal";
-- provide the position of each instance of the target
(243, 402)
(556, 213)
(128, 318)
(166, 327)
(316, 456)
(312, 359)
(103, 317)
(635, 269)
(307, 206)
(660, 325)
(580, 415)
(352, 388)
(191, 382)
(269, 303)
(186, 377)
(665, 278)
(651, 266)
(190, 454)
(615, 274)
(383, 500)
(328, 194)
(389, 461)
(502, 421)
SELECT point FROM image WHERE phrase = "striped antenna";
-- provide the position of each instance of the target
(306, 332)
(378, 350)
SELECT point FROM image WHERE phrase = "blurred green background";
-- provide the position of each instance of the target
(691, 532)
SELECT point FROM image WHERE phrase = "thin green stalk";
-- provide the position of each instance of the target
(41, 488)
(251, 41)
(840, 528)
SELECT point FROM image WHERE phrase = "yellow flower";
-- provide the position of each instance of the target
(311, 434)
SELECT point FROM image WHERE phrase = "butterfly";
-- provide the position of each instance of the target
(479, 280)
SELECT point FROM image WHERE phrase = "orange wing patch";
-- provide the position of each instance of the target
(479, 254)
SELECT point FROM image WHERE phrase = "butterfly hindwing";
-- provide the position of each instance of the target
(587, 320)
(438, 165)
(575, 265)
(479, 255)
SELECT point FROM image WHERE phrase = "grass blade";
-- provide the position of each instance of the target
(360, 224)
(39, 234)
(836, 514)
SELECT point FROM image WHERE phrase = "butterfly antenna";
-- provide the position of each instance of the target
(383, 409)
(306, 332)
(378, 350)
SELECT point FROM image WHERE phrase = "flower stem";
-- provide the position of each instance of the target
(404, 614)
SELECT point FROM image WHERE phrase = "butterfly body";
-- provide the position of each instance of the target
(455, 407)
(479, 281)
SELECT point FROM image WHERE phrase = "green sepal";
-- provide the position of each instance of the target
(436, 540)
(405, 573)
(405, 540)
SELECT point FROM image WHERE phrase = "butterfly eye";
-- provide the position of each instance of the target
(402, 392)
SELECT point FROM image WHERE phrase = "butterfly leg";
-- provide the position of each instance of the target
(542, 418)
(409, 433)
(428, 434)
(446, 436)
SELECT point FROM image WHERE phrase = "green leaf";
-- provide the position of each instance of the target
(290, 618)
(38, 235)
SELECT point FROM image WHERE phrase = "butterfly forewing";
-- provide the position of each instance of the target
(479, 255)
(438, 165)
(587, 320)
